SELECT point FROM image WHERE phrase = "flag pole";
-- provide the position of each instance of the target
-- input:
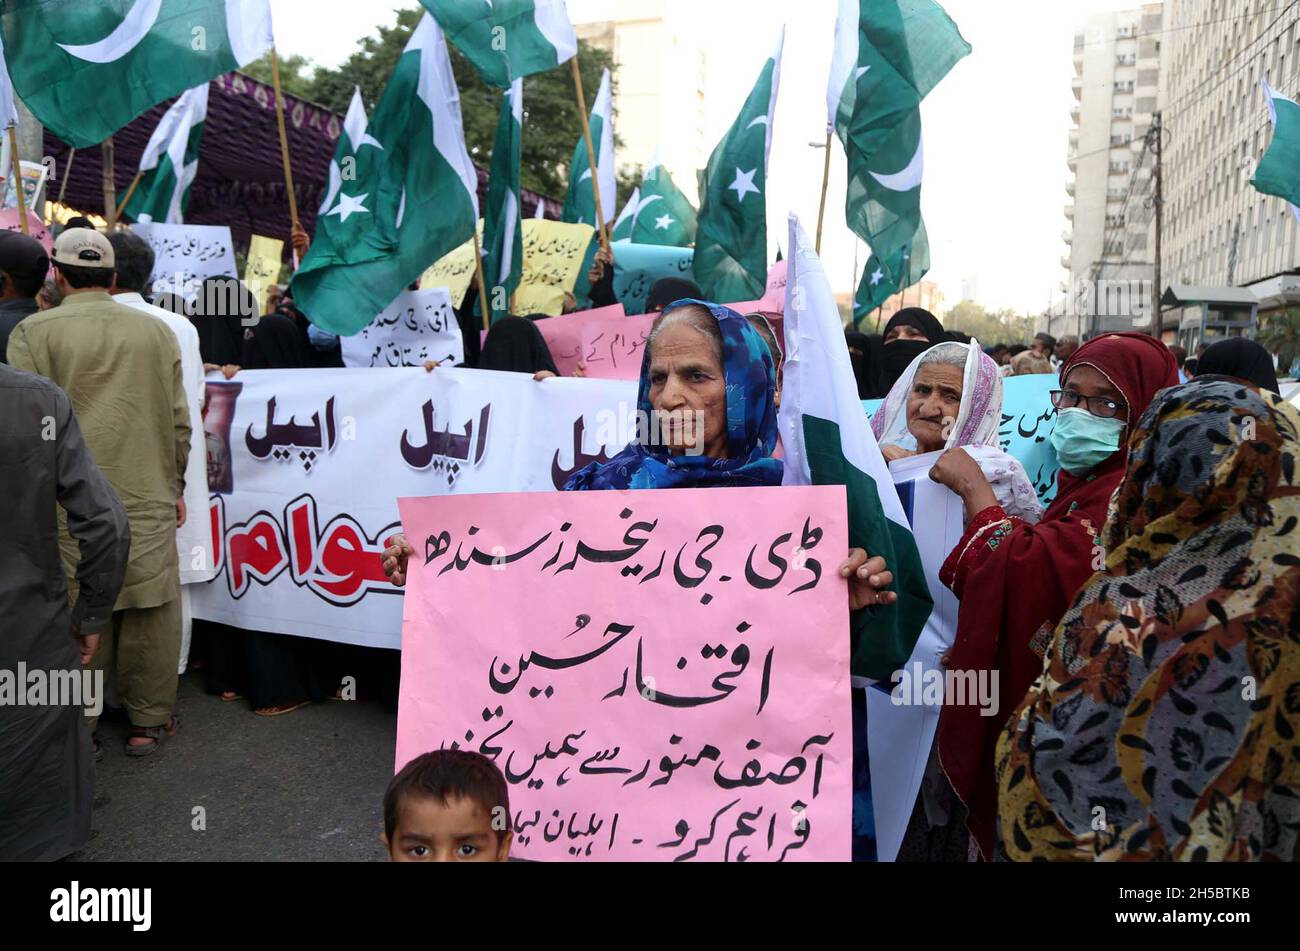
(18, 179)
(284, 138)
(482, 285)
(826, 177)
(591, 153)
(126, 199)
(67, 170)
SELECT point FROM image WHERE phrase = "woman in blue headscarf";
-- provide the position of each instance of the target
(706, 417)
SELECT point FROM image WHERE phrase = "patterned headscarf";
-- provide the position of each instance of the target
(751, 423)
(1169, 706)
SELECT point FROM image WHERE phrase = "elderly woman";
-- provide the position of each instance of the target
(708, 379)
(951, 395)
(1164, 723)
(1015, 579)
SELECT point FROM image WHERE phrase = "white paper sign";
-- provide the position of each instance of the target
(305, 468)
(186, 255)
(418, 326)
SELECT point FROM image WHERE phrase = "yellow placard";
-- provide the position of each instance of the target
(262, 268)
(553, 255)
(454, 271)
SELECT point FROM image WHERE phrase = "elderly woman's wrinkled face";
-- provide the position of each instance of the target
(688, 391)
(933, 404)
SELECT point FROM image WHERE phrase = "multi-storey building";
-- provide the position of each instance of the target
(1116, 80)
(655, 107)
(1218, 230)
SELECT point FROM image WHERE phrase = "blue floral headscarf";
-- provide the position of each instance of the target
(751, 423)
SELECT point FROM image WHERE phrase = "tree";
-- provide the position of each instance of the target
(1280, 336)
(551, 122)
(1004, 326)
(294, 70)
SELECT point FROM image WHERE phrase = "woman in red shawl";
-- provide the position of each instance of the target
(1016, 580)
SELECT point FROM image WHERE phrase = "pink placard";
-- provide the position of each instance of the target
(660, 674)
(10, 221)
(608, 342)
(775, 290)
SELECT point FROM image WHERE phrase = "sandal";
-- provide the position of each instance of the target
(229, 696)
(155, 735)
(282, 709)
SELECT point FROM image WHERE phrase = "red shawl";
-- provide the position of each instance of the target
(1016, 580)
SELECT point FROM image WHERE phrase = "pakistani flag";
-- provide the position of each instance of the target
(88, 67)
(1278, 172)
(580, 205)
(828, 441)
(888, 55)
(170, 162)
(413, 199)
(351, 139)
(671, 218)
(8, 107)
(622, 230)
(503, 234)
(507, 39)
(731, 235)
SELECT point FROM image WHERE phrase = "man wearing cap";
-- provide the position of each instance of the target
(23, 266)
(122, 370)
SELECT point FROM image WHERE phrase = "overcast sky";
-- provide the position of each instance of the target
(995, 128)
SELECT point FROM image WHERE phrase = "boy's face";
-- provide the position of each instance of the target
(458, 831)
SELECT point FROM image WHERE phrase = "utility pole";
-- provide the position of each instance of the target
(1157, 131)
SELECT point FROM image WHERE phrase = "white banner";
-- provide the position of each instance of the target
(305, 468)
(416, 327)
(186, 255)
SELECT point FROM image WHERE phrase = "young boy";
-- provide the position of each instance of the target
(448, 806)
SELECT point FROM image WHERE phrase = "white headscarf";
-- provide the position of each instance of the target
(976, 426)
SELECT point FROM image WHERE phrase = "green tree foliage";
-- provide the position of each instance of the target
(1280, 336)
(1003, 326)
(551, 120)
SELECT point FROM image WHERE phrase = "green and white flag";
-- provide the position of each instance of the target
(507, 39)
(671, 219)
(503, 233)
(622, 230)
(828, 441)
(170, 162)
(731, 232)
(413, 200)
(8, 106)
(351, 139)
(88, 67)
(580, 205)
(888, 55)
(1278, 172)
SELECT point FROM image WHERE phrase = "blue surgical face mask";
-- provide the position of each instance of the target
(1082, 440)
(321, 339)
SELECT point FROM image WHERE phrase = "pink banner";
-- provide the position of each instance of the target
(609, 343)
(9, 221)
(660, 675)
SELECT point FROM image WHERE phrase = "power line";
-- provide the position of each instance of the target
(1175, 29)
(1169, 109)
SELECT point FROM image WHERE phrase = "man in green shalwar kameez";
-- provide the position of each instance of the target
(122, 370)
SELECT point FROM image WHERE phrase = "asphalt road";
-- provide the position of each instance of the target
(307, 786)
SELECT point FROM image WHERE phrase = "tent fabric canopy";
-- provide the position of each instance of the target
(241, 174)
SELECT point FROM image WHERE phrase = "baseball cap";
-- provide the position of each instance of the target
(83, 247)
(22, 256)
